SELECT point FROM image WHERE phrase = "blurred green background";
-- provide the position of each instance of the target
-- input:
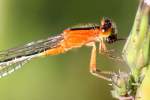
(66, 76)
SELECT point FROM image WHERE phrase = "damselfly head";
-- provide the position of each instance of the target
(112, 37)
(106, 24)
(109, 27)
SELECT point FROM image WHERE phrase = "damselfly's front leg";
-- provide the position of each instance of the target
(109, 53)
(93, 70)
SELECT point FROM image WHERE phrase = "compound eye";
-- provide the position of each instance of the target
(106, 24)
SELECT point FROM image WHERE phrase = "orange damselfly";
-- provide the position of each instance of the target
(73, 37)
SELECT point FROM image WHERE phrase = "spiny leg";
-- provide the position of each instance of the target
(93, 70)
(109, 53)
(103, 49)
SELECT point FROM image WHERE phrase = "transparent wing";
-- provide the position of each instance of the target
(14, 58)
(8, 69)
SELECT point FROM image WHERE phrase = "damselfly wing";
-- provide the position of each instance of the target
(13, 59)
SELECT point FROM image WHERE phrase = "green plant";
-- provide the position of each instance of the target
(136, 53)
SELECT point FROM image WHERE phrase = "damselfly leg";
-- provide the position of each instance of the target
(93, 68)
(108, 53)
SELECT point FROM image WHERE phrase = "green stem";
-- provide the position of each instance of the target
(136, 53)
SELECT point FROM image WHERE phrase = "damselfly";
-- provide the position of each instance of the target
(73, 37)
